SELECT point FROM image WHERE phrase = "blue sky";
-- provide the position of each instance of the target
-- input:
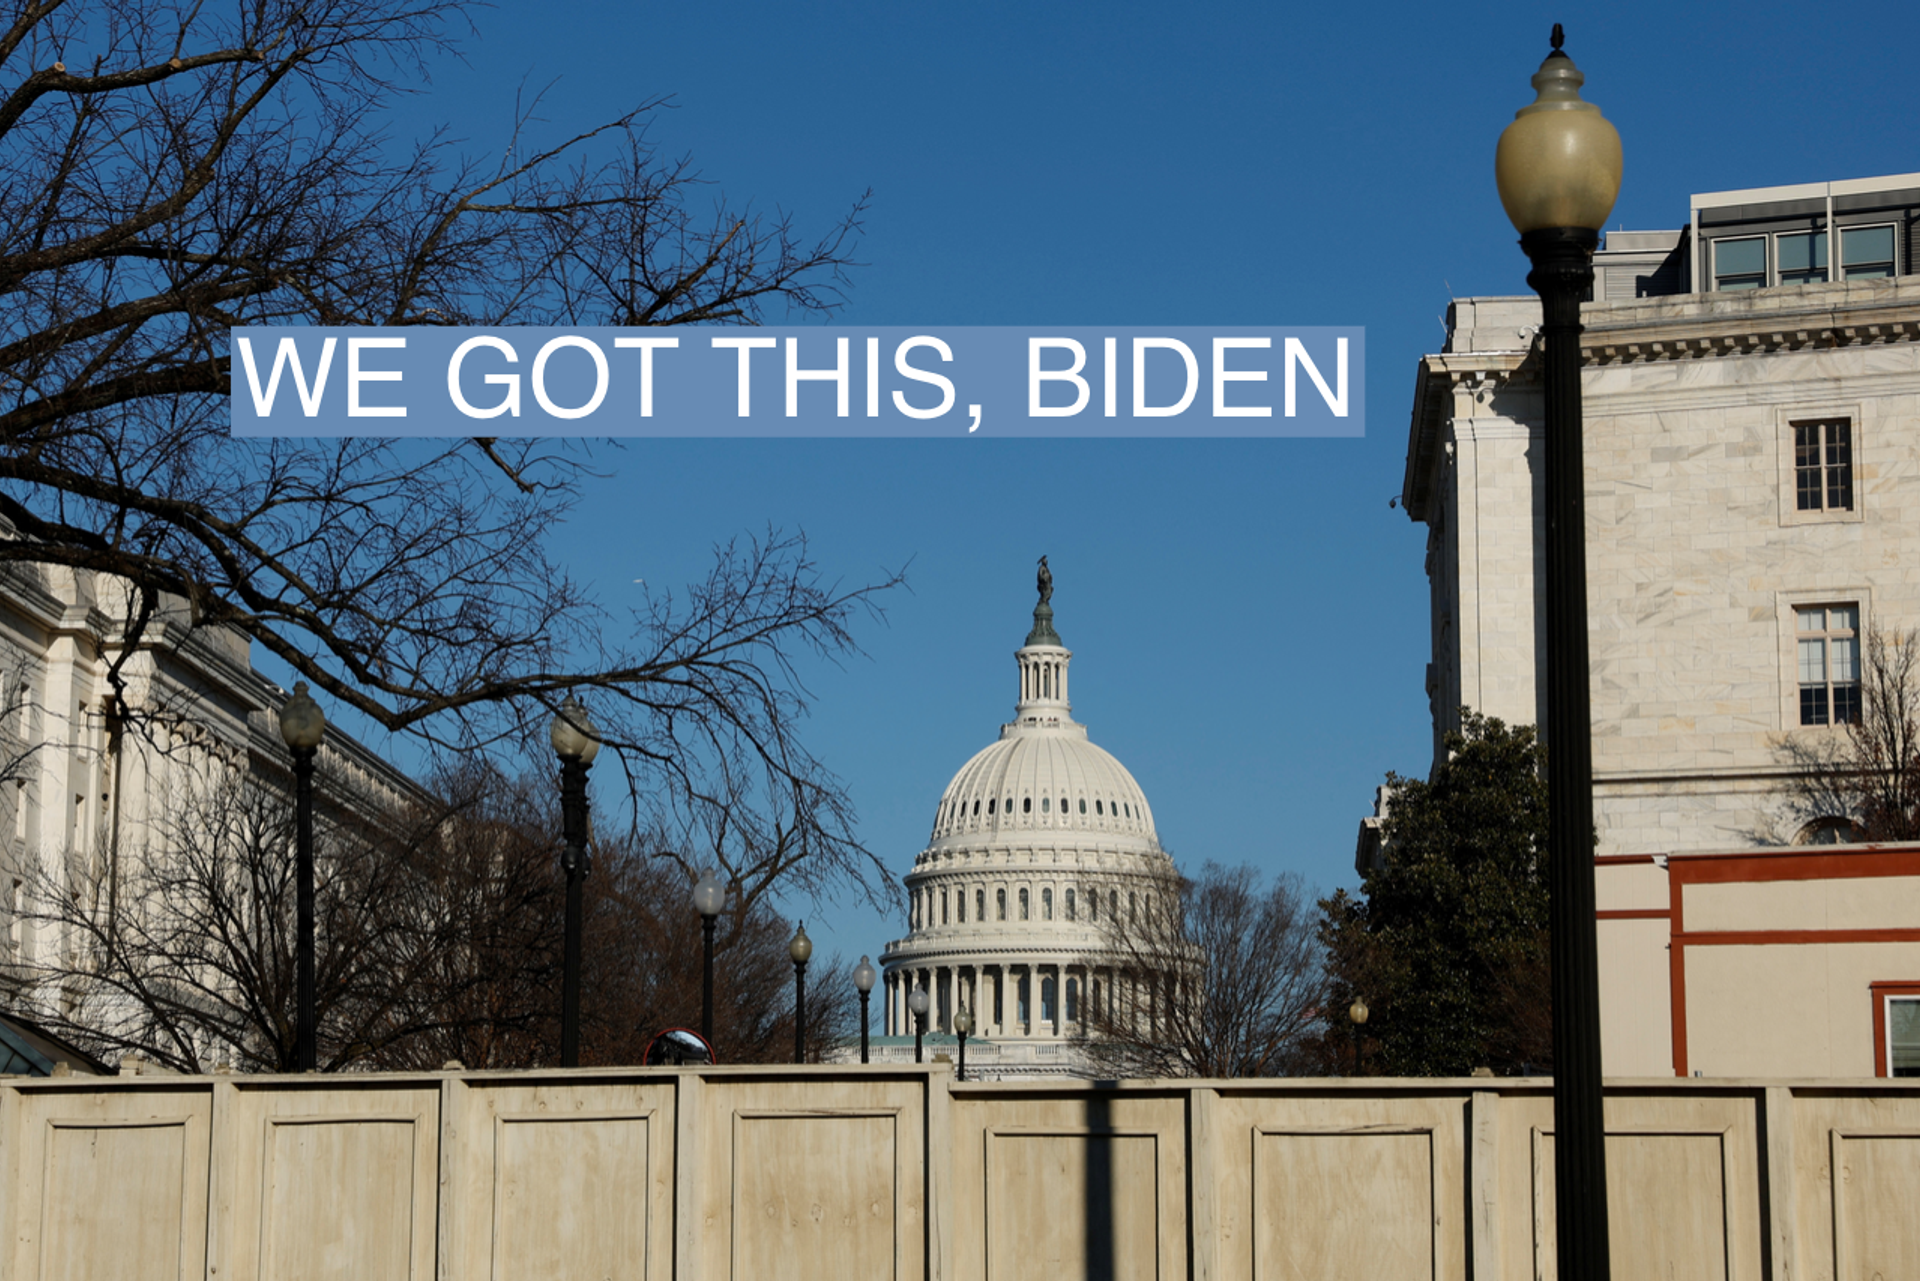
(1249, 618)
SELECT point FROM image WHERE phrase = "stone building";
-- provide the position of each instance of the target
(1752, 457)
(86, 795)
(1041, 843)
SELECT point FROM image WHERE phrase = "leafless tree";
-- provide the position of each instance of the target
(1214, 976)
(196, 966)
(178, 168)
(1861, 779)
(645, 969)
(437, 937)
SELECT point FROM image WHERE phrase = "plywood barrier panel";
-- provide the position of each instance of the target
(1344, 1204)
(1069, 1182)
(561, 1180)
(1063, 1206)
(817, 1174)
(328, 1182)
(1856, 1182)
(1876, 1204)
(570, 1198)
(112, 1186)
(1340, 1186)
(1666, 1205)
(339, 1199)
(814, 1195)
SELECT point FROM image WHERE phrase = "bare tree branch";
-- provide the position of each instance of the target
(177, 169)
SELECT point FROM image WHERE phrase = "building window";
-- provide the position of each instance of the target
(979, 905)
(1740, 264)
(1828, 639)
(1896, 1029)
(1073, 1000)
(1866, 252)
(1093, 905)
(1831, 831)
(1023, 904)
(1046, 905)
(1047, 1000)
(960, 909)
(1802, 257)
(1903, 1036)
(1823, 466)
(1000, 902)
(943, 907)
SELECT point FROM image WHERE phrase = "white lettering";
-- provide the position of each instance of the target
(1110, 375)
(921, 375)
(510, 404)
(1298, 352)
(1140, 407)
(1222, 376)
(1037, 375)
(744, 346)
(599, 376)
(286, 354)
(646, 346)
(796, 375)
(356, 376)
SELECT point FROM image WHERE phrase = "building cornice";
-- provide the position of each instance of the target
(1794, 318)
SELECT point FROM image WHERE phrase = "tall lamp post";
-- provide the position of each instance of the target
(963, 1024)
(302, 726)
(863, 977)
(1558, 169)
(800, 949)
(917, 1002)
(709, 896)
(1357, 1017)
(576, 742)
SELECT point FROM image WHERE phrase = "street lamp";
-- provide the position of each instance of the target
(800, 949)
(963, 1024)
(1357, 1016)
(917, 1002)
(863, 977)
(302, 726)
(1558, 169)
(576, 741)
(709, 896)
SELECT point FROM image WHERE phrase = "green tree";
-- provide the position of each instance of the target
(1447, 942)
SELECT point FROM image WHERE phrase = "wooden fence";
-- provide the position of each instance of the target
(857, 1174)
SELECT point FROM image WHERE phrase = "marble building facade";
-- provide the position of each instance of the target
(1752, 452)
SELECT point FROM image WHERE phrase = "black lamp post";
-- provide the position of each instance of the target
(576, 741)
(963, 1024)
(1558, 168)
(1357, 1017)
(917, 1002)
(800, 949)
(863, 977)
(302, 726)
(709, 896)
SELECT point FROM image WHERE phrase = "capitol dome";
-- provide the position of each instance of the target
(1041, 845)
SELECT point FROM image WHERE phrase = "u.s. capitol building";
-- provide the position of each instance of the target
(1043, 844)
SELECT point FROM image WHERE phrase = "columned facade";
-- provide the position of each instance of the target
(1039, 844)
